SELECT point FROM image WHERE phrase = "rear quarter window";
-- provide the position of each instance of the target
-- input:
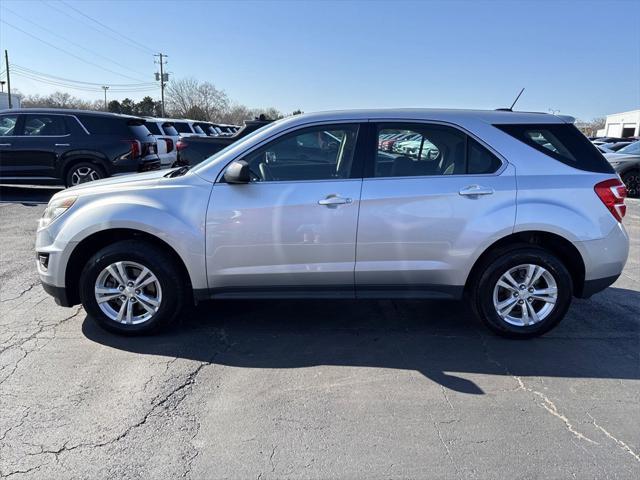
(104, 125)
(562, 142)
(153, 128)
(169, 129)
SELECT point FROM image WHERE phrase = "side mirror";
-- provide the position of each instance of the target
(237, 172)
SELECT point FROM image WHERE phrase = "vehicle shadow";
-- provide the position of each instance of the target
(598, 339)
(27, 195)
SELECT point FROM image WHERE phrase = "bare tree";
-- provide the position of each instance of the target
(189, 95)
(60, 100)
(590, 128)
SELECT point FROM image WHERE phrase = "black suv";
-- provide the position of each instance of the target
(68, 147)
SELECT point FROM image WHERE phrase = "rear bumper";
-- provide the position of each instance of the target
(592, 287)
(59, 294)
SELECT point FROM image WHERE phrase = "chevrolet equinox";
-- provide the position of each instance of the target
(516, 212)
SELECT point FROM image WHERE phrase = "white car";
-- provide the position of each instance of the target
(167, 137)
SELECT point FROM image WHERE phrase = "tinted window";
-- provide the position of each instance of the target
(182, 127)
(479, 159)
(314, 153)
(104, 125)
(44, 125)
(563, 142)
(197, 129)
(421, 150)
(140, 132)
(169, 129)
(8, 125)
(153, 128)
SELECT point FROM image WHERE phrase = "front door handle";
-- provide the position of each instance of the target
(61, 145)
(334, 200)
(473, 190)
(5, 144)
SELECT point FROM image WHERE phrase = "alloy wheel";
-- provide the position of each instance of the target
(525, 295)
(128, 292)
(83, 175)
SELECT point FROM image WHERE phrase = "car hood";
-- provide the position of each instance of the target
(136, 180)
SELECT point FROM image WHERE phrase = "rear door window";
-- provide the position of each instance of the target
(42, 125)
(562, 142)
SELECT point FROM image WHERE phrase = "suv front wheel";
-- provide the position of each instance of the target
(522, 292)
(132, 287)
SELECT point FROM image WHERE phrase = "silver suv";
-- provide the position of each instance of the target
(517, 212)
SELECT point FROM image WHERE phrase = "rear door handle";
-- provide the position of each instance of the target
(61, 145)
(473, 190)
(334, 200)
(5, 144)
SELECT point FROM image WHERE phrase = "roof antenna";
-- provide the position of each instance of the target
(514, 102)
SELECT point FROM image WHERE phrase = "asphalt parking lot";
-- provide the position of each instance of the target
(312, 389)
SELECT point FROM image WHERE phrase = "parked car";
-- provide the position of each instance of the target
(193, 150)
(515, 227)
(69, 147)
(614, 146)
(166, 137)
(626, 162)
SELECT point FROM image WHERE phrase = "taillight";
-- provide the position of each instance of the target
(136, 148)
(180, 145)
(169, 143)
(612, 193)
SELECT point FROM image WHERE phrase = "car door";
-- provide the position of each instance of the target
(43, 137)
(292, 230)
(426, 215)
(9, 125)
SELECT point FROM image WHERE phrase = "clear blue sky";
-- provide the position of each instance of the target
(582, 58)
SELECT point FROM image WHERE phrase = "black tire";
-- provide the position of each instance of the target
(482, 290)
(173, 286)
(631, 180)
(81, 167)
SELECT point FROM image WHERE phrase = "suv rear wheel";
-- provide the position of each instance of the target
(83, 172)
(522, 292)
(132, 287)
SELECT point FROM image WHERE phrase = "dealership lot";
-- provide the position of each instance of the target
(313, 389)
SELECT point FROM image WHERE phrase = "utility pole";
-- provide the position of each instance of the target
(6, 61)
(163, 77)
(105, 88)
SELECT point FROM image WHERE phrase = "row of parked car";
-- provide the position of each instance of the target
(70, 147)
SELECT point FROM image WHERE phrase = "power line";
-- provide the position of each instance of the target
(129, 39)
(81, 87)
(69, 41)
(67, 52)
(55, 77)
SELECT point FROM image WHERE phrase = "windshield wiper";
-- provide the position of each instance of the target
(178, 172)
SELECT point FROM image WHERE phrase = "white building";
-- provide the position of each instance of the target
(625, 124)
(4, 100)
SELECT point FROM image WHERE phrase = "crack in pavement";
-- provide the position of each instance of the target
(21, 293)
(619, 442)
(180, 388)
(546, 403)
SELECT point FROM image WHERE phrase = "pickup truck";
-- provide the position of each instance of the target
(193, 150)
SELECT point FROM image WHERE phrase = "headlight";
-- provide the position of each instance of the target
(55, 209)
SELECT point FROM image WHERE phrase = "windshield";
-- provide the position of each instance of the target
(633, 149)
(230, 147)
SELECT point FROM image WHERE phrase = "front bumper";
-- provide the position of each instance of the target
(59, 294)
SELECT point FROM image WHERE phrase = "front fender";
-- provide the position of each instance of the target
(179, 224)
